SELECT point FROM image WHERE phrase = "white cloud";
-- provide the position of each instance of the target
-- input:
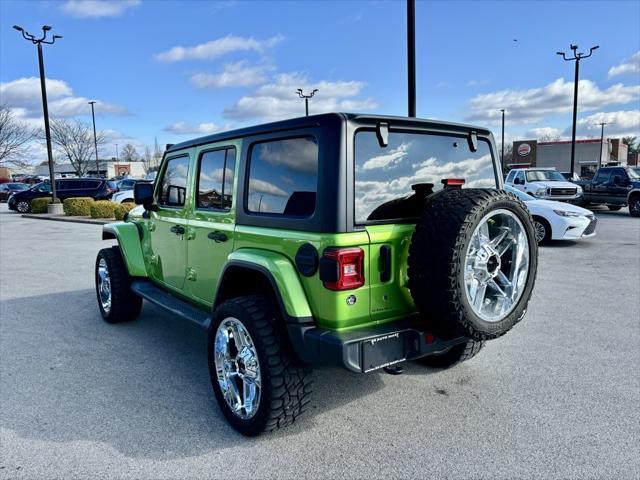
(631, 66)
(388, 160)
(277, 100)
(260, 186)
(98, 8)
(217, 48)
(183, 128)
(296, 154)
(24, 96)
(620, 123)
(528, 106)
(238, 74)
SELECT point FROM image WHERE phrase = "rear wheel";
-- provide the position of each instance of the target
(455, 355)
(634, 206)
(472, 262)
(257, 381)
(614, 208)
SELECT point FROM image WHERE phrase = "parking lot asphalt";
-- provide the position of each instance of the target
(558, 397)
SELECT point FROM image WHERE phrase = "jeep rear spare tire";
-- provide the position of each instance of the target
(472, 262)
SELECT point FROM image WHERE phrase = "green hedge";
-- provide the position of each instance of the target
(103, 209)
(40, 205)
(78, 206)
(122, 209)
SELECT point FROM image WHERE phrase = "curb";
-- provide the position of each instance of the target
(64, 218)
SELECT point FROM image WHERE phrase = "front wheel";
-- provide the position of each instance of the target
(543, 230)
(23, 206)
(116, 301)
(634, 206)
(256, 379)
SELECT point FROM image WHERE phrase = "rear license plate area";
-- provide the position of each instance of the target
(380, 352)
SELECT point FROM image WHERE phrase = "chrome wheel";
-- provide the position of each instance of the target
(237, 368)
(541, 231)
(496, 265)
(104, 286)
(23, 207)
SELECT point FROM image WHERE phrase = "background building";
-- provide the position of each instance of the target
(531, 153)
(108, 169)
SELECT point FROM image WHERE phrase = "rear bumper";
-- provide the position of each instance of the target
(367, 349)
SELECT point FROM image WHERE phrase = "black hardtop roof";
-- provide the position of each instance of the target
(317, 120)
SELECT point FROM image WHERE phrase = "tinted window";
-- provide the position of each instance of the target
(215, 181)
(520, 176)
(283, 177)
(602, 176)
(512, 174)
(620, 172)
(43, 188)
(65, 185)
(174, 182)
(387, 177)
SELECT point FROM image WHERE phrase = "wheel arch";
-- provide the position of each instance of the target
(633, 194)
(250, 271)
(541, 219)
(128, 237)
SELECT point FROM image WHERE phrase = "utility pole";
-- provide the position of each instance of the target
(95, 138)
(602, 124)
(45, 108)
(117, 155)
(502, 155)
(411, 57)
(576, 58)
(306, 99)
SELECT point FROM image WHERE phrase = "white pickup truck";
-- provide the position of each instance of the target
(543, 183)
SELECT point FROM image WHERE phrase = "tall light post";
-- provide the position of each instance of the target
(602, 124)
(502, 155)
(45, 108)
(411, 57)
(306, 98)
(117, 154)
(576, 58)
(95, 138)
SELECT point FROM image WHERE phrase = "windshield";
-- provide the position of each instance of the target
(634, 173)
(391, 182)
(544, 176)
(521, 195)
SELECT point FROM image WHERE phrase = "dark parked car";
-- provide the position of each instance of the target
(615, 187)
(7, 189)
(95, 188)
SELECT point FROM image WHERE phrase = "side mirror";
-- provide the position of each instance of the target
(143, 194)
(516, 181)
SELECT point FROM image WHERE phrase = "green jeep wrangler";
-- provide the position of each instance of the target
(338, 239)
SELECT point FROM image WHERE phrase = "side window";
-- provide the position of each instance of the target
(520, 176)
(283, 177)
(603, 176)
(512, 174)
(215, 180)
(620, 172)
(64, 185)
(173, 190)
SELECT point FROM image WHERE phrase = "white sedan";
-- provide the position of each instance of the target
(123, 197)
(557, 220)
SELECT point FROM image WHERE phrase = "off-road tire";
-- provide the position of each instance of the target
(614, 208)
(455, 355)
(286, 384)
(125, 305)
(436, 261)
(545, 226)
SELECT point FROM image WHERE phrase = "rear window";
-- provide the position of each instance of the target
(391, 182)
(283, 177)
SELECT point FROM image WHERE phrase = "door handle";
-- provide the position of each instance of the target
(217, 236)
(178, 229)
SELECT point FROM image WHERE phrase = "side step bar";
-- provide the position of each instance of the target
(170, 303)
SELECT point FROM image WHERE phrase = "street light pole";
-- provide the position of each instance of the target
(117, 154)
(602, 124)
(306, 98)
(95, 138)
(502, 155)
(411, 57)
(45, 108)
(576, 58)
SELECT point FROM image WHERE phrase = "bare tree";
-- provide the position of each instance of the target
(15, 138)
(129, 153)
(630, 142)
(548, 137)
(157, 155)
(74, 142)
(147, 159)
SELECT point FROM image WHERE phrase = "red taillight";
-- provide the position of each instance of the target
(342, 268)
(452, 182)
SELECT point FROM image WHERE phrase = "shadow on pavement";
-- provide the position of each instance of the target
(139, 387)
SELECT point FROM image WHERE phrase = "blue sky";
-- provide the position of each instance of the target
(241, 61)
